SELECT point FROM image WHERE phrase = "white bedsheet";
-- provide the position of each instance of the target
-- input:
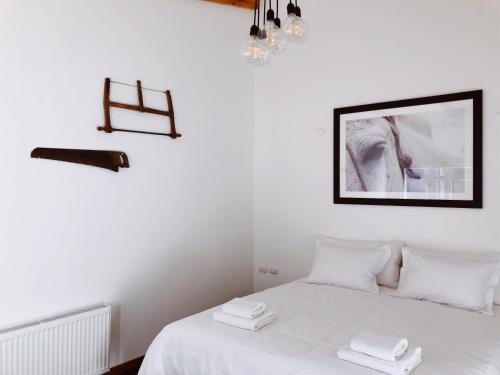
(313, 322)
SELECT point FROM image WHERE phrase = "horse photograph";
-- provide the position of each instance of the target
(423, 152)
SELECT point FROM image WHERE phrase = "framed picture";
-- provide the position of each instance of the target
(416, 152)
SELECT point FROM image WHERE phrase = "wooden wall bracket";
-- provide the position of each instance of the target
(111, 160)
(108, 104)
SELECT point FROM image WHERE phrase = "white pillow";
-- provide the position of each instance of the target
(488, 257)
(350, 268)
(450, 279)
(389, 276)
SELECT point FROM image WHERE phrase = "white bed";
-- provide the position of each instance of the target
(313, 323)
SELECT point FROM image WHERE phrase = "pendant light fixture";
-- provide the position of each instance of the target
(273, 38)
(294, 27)
(262, 30)
(255, 49)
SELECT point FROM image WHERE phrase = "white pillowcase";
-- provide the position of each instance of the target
(486, 257)
(451, 279)
(489, 257)
(350, 268)
(389, 276)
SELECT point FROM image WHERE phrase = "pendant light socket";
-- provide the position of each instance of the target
(270, 15)
(254, 30)
(277, 22)
(290, 8)
(298, 12)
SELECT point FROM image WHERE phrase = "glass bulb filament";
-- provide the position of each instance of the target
(255, 51)
(296, 29)
(275, 38)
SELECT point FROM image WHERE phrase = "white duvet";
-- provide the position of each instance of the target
(313, 322)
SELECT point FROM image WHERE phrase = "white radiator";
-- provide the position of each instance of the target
(76, 343)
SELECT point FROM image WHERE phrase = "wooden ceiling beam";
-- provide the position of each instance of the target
(248, 4)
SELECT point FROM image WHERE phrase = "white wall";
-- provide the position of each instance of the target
(360, 52)
(168, 237)
(174, 234)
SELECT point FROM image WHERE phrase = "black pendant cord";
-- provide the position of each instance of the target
(254, 30)
(257, 4)
(277, 20)
(298, 11)
(265, 13)
(270, 15)
(255, 13)
(270, 12)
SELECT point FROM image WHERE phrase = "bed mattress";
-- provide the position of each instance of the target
(313, 322)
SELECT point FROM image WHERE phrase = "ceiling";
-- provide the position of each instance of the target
(249, 4)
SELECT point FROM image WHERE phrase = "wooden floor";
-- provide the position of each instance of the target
(131, 372)
(127, 368)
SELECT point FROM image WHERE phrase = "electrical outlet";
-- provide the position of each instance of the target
(263, 270)
(274, 271)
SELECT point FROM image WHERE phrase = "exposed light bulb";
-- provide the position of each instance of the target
(255, 50)
(262, 34)
(294, 27)
(275, 38)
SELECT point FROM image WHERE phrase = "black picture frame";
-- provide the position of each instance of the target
(477, 153)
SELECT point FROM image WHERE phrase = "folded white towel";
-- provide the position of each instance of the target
(402, 367)
(249, 324)
(378, 346)
(243, 308)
